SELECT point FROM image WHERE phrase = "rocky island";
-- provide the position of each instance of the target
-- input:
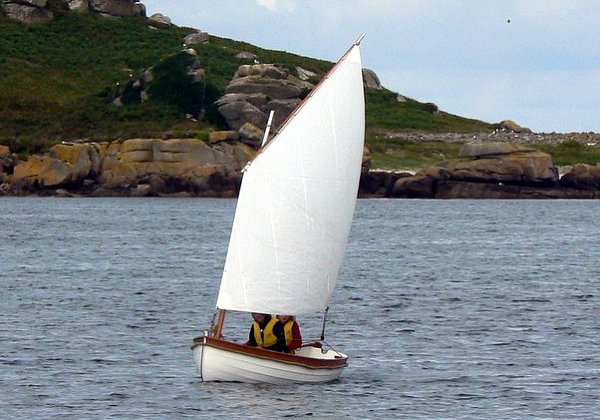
(501, 162)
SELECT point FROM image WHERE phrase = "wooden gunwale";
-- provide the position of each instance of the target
(308, 362)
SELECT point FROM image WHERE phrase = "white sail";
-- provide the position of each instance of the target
(297, 201)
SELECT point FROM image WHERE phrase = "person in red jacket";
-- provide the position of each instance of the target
(266, 332)
(293, 336)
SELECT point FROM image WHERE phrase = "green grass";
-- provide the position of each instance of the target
(58, 79)
(384, 112)
(571, 153)
(51, 77)
(218, 58)
(409, 154)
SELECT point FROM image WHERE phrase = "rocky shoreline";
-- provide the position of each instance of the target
(195, 168)
(133, 168)
(489, 170)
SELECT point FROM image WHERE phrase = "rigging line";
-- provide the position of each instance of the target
(332, 348)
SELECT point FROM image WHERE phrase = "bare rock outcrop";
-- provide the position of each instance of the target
(479, 150)
(7, 160)
(78, 5)
(159, 20)
(253, 92)
(186, 164)
(65, 164)
(503, 163)
(510, 125)
(197, 37)
(223, 135)
(27, 11)
(82, 158)
(258, 89)
(491, 170)
(485, 167)
(379, 183)
(41, 171)
(34, 11)
(135, 167)
(421, 185)
(246, 55)
(304, 74)
(582, 177)
(371, 80)
(120, 8)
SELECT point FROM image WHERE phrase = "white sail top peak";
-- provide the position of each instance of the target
(266, 142)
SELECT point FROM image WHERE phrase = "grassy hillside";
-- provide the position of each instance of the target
(52, 76)
(54, 79)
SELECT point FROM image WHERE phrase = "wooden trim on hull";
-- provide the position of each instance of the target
(224, 361)
(337, 362)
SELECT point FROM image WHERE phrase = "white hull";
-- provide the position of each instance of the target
(217, 360)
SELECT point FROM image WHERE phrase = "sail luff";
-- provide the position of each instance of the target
(297, 201)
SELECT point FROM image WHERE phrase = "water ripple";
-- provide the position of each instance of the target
(448, 309)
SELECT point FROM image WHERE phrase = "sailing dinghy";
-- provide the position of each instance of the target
(290, 232)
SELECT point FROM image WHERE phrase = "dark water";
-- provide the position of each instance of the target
(448, 309)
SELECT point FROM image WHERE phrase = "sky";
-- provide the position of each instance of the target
(536, 62)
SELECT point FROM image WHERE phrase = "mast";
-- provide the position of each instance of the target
(324, 322)
(218, 331)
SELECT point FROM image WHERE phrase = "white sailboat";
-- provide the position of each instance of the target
(290, 232)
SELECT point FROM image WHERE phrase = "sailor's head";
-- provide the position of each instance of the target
(259, 317)
(285, 318)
